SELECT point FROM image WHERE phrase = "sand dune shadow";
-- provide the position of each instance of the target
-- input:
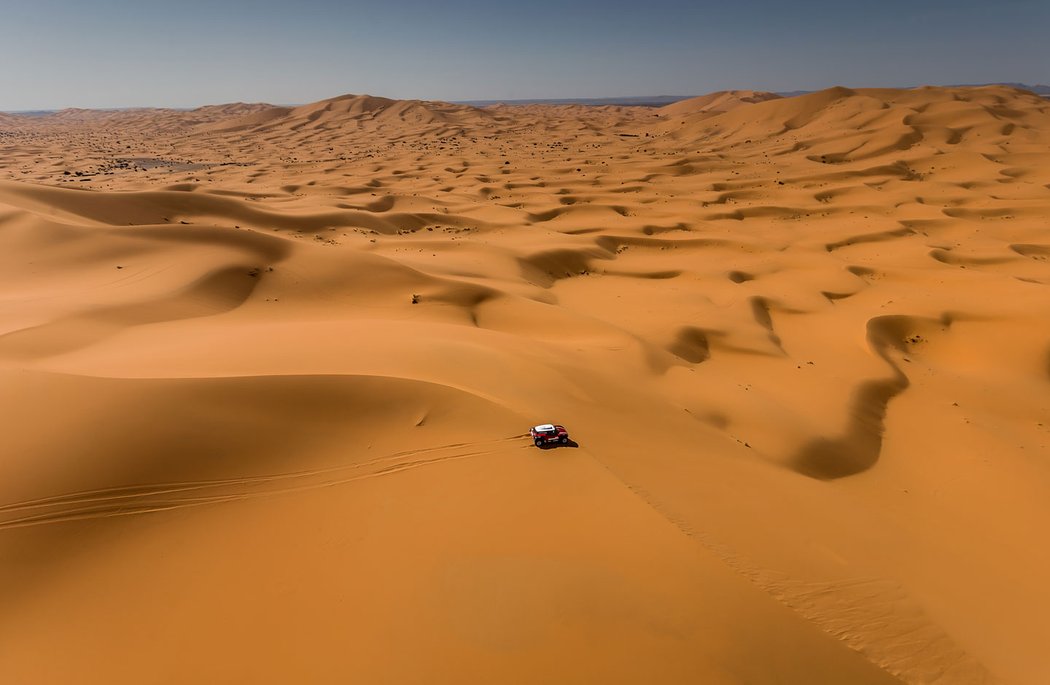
(859, 448)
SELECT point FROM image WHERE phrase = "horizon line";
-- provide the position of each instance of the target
(1038, 89)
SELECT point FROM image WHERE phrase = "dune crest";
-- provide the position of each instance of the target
(715, 103)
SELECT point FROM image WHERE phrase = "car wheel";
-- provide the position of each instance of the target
(539, 443)
(563, 439)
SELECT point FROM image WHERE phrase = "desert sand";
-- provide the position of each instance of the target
(267, 374)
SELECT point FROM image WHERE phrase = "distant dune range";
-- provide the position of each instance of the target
(267, 373)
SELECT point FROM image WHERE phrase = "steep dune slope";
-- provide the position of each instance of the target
(715, 103)
(266, 387)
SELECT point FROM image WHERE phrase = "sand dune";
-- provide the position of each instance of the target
(268, 372)
(716, 103)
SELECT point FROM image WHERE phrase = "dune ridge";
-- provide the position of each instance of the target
(268, 373)
(715, 103)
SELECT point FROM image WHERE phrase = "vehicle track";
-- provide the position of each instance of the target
(150, 498)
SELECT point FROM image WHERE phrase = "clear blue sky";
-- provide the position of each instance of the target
(114, 53)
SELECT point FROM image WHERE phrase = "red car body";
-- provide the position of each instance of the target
(547, 433)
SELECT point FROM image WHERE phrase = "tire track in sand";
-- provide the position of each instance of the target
(151, 498)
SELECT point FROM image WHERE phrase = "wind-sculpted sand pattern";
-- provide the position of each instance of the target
(259, 364)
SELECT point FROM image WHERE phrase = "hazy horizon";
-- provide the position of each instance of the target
(120, 54)
(567, 99)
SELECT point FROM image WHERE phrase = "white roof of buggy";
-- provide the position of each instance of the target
(544, 427)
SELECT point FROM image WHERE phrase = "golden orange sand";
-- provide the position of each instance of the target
(267, 373)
